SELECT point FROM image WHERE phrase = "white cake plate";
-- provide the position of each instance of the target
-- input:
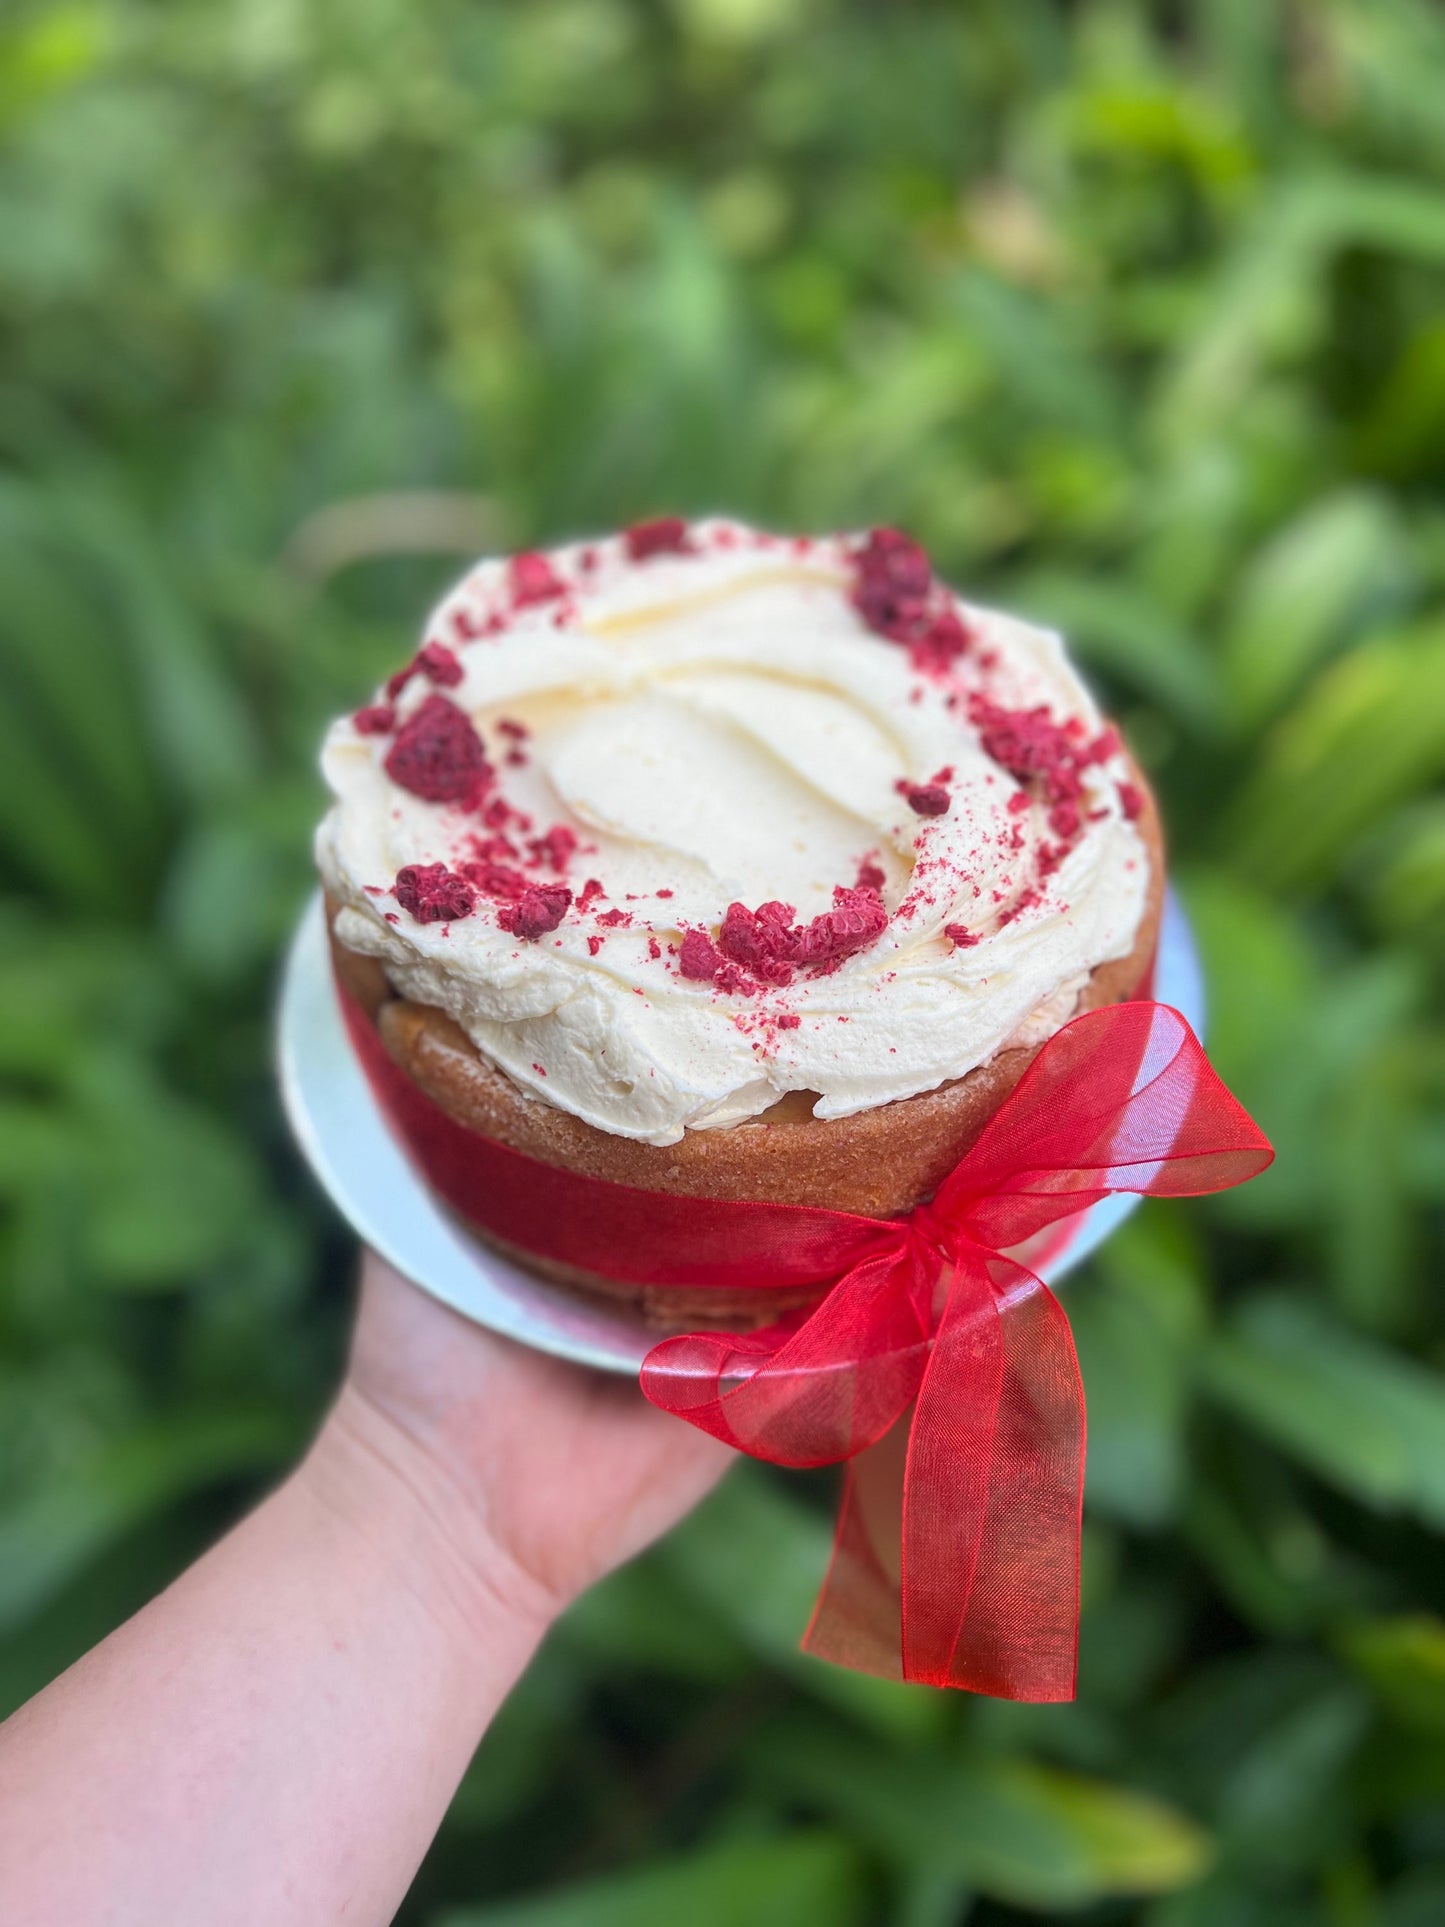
(370, 1180)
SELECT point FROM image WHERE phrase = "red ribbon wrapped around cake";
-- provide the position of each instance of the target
(933, 1363)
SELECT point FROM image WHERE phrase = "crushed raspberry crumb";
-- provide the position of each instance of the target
(514, 731)
(466, 628)
(498, 814)
(540, 1070)
(927, 799)
(538, 911)
(1051, 855)
(1131, 801)
(375, 719)
(494, 879)
(871, 876)
(1064, 819)
(960, 935)
(590, 891)
(438, 755)
(556, 848)
(434, 659)
(431, 893)
(533, 579)
(789, 1020)
(1019, 802)
(664, 893)
(1028, 901)
(594, 944)
(665, 534)
(396, 683)
(654, 949)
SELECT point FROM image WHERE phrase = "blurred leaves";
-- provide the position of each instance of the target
(1357, 1415)
(1017, 1831)
(772, 1882)
(1132, 313)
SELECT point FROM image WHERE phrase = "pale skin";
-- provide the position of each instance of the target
(277, 1736)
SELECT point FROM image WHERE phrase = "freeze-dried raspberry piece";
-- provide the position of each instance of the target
(699, 957)
(431, 893)
(664, 534)
(892, 579)
(533, 579)
(437, 754)
(375, 719)
(539, 909)
(434, 659)
(960, 935)
(762, 940)
(789, 1020)
(927, 799)
(871, 876)
(1131, 799)
(1028, 742)
(858, 918)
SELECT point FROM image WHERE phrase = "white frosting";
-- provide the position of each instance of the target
(722, 726)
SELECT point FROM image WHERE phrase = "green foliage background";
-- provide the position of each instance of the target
(1132, 312)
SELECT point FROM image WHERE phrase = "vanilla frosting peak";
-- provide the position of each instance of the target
(680, 821)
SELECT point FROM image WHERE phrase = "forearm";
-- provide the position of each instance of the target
(277, 1736)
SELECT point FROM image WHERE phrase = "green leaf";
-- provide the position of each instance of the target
(1361, 1417)
(1136, 1317)
(1016, 1831)
(1297, 597)
(765, 1883)
(1403, 1659)
(1119, 628)
(87, 1504)
(1366, 736)
(756, 1558)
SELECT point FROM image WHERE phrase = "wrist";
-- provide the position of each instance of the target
(394, 1493)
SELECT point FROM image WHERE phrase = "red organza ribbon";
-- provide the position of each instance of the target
(937, 1365)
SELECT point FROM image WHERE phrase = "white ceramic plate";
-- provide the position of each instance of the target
(374, 1186)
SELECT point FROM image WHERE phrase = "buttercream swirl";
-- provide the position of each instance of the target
(713, 724)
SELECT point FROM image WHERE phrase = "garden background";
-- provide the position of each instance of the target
(1133, 313)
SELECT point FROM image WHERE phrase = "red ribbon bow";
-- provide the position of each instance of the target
(935, 1363)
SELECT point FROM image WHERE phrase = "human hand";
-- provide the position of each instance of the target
(539, 1476)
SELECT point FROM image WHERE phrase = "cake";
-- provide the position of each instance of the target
(704, 860)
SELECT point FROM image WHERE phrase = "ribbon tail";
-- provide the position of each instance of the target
(857, 1621)
(992, 1494)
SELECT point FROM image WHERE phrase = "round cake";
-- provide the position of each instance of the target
(705, 860)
